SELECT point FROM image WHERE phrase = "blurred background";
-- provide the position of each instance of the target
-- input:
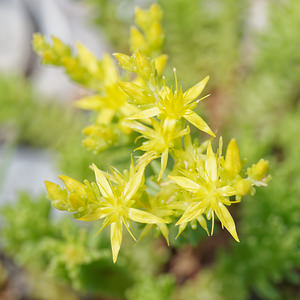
(251, 50)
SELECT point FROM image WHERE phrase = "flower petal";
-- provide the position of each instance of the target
(134, 91)
(165, 231)
(186, 183)
(90, 103)
(197, 121)
(195, 91)
(102, 182)
(211, 164)
(105, 116)
(232, 162)
(146, 114)
(192, 212)
(164, 161)
(141, 216)
(115, 238)
(160, 63)
(134, 183)
(227, 191)
(97, 214)
(203, 223)
(226, 219)
(181, 229)
(73, 185)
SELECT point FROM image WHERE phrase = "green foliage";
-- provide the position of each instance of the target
(76, 256)
(267, 259)
(149, 288)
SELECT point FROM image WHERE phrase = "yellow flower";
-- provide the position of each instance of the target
(172, 106)
(150, 39)
(112, 199)
(201, 184)
(112, 101)
(158, 142)
(209, 194)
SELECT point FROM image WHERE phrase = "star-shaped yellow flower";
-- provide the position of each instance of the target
(173, 106)
(209, 194)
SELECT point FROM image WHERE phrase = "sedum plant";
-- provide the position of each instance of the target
(193, 184)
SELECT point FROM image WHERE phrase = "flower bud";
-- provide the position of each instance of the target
(259, 171)
(243, 187)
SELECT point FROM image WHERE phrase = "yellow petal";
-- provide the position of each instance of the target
(211, 164)
(146, 158)
(110, 70)
(58, 196)
(97, 214)
(227, 191)
(192, 212)
(146, 114)
(125, 61)
(141, 18)
(76, 201)
(164, 161)
(141, 216)
(137, 40)
(195, 91)
(259, 170)
(133, 184)
(60, 48)
(115, 238)
(102, 182)
(181, 133)
(165, 231)
(133, 90)
(105, 116)
(169, 125)
(226, 220)
(155, 35)
(160, 63)
(197, 121)
(55, 192)
(90, 103)
(186, 183)
(143, 66)
(203, 223)
(87, 58)
(141, 128)
(73, 185)
(232, 162)
(181, 229)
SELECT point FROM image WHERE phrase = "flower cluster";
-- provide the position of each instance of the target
(194, 183)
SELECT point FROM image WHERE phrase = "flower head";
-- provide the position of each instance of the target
(158, 142)
(112, 199)
(209, 192)
(172, 105)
